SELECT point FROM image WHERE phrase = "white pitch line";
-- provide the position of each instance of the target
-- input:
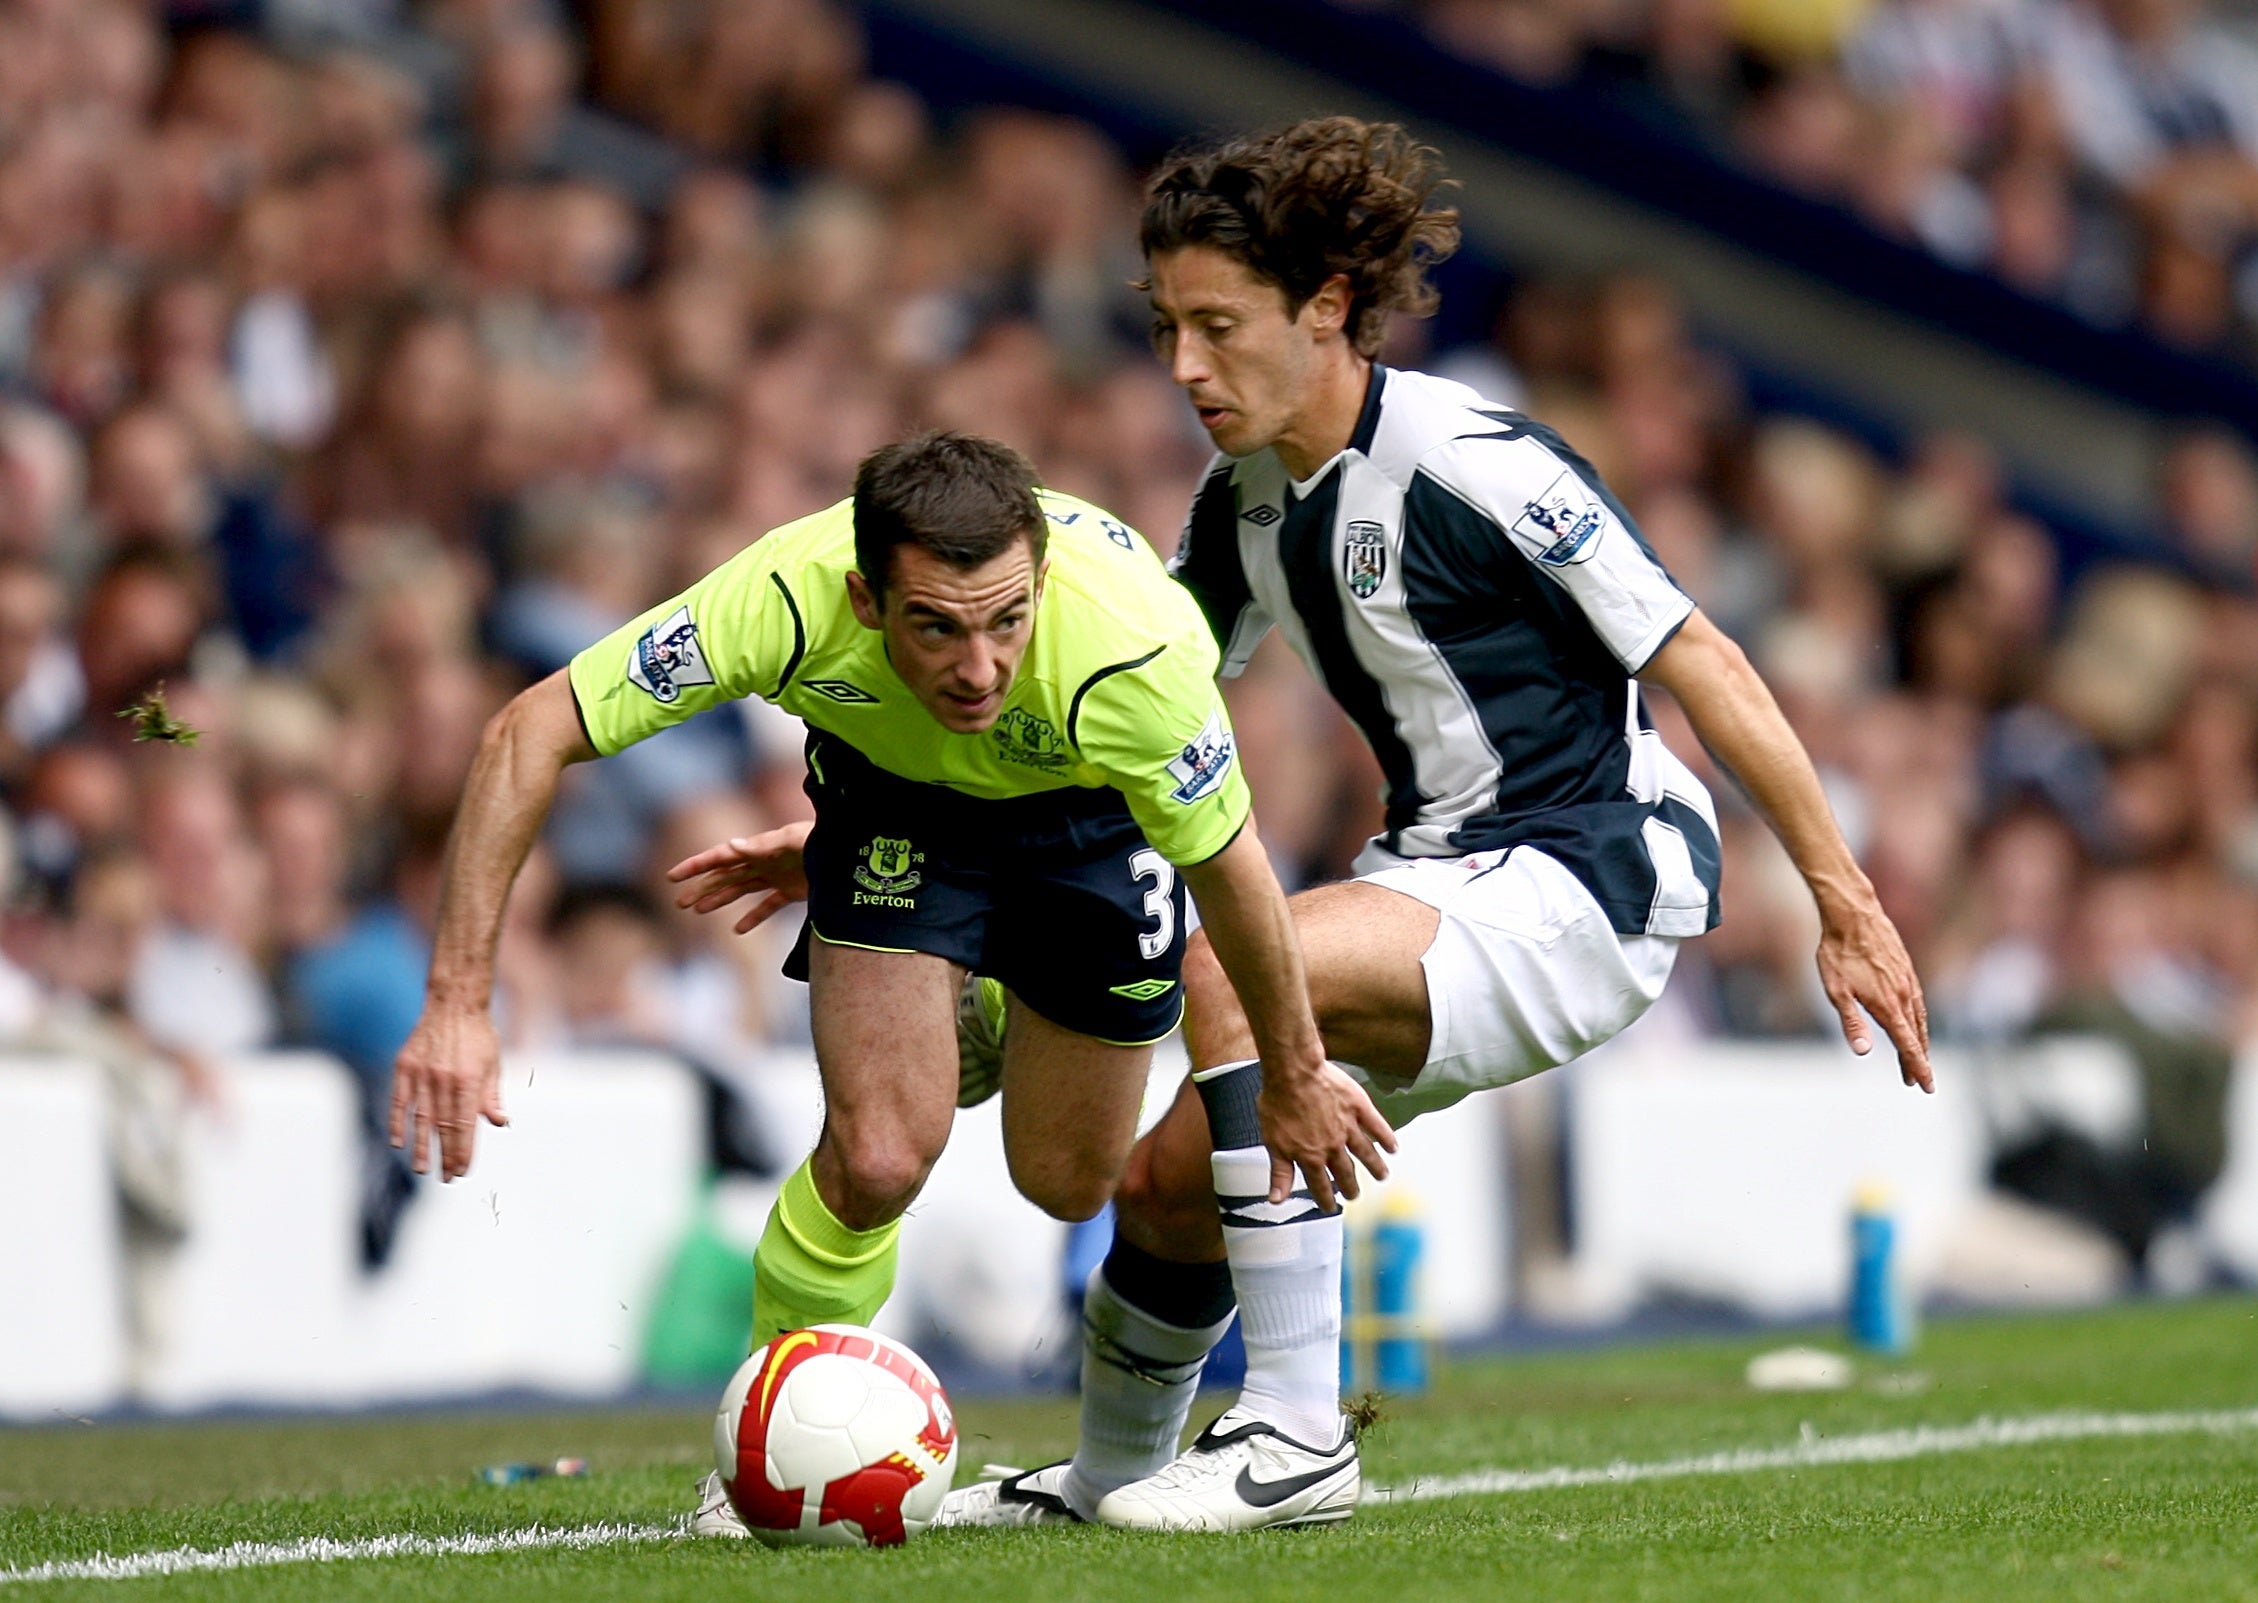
(322, 1550)
(1878, 1447)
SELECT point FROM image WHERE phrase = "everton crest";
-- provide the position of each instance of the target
(889, 870)
(1032, 742)
(1364, 559)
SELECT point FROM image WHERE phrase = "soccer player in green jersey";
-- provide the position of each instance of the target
(1018, 760)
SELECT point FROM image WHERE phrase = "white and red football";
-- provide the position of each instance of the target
(835, 1436)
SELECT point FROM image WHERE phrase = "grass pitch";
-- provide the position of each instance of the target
(2171, 1515)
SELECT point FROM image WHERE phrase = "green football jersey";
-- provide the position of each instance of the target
(1116, 688)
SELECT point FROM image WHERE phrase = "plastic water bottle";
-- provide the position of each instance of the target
(1397, 1242)
(1355, 1358)
(1385, 1342)
(515, 1474)
(1881, 1320)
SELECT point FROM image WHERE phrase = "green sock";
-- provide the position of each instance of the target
(810, 1269)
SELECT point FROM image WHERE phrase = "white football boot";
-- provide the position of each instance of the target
(1242, 1475)
(1037, 1497)
(716, 1515)
(980, 1040)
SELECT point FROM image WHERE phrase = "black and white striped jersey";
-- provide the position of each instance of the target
(1477, 601)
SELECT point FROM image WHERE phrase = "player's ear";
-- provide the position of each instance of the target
(1327, 311)
(868, 612)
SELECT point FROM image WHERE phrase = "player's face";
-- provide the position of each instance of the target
(955, 635)
(1228, 341)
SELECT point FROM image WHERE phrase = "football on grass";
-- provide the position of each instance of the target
(835, 1436)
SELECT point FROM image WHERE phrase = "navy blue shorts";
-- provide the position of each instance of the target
(1057, 895)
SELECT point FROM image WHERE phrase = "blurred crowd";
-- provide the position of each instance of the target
(359, 366)
(2100, 154)
(361, 363)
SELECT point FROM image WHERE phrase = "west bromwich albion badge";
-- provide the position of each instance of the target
(1364, 559)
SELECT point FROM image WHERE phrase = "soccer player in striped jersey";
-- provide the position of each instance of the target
(1485, 610)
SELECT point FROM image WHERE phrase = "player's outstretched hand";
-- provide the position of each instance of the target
(1863, 962)
(445, 1079)
(767, 866)
(1324, 1125)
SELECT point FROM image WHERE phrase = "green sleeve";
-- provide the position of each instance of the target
(1158, 730)
(737, 632)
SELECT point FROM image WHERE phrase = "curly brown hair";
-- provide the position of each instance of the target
(1328, 196)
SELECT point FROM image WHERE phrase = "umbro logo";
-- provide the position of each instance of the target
(1262, 516)
(839, 690)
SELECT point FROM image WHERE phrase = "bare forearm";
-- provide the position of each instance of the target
(507, 797)
(1252, 931)
(1862, 959)
(1736, 717)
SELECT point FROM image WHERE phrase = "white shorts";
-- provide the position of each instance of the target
(1525, 973)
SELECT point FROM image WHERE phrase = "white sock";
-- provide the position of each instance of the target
(1139, 1368)
(1285, 1266)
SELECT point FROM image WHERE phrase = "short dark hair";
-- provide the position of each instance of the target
(1328, 197)
(960, 497)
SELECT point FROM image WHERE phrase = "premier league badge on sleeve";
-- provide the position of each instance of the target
(1562, 526)
(1205, 759)
(668, 658)
(1364, 559)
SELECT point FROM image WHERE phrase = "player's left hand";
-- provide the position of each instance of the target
(1863, 963)
(1323, 1124)
(769, 865)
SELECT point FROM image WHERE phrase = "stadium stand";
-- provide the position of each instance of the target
(360, 360)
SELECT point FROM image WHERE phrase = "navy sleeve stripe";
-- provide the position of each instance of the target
(799, 636)
(1074, 708)
(1502, 486)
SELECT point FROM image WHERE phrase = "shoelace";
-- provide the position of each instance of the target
(1201, 1464)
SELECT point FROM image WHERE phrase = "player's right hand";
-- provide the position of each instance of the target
(446, 1078)
(769, 864)
(1324, 1125)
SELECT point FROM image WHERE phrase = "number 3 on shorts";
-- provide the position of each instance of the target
(1149, 864)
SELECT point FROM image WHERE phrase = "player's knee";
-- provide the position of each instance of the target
(1165, 1195)
(883, 1169)
(1065, 1191)
(1139, 1197)
(1214, 1026)
(1073, 1203)
(1206, 986)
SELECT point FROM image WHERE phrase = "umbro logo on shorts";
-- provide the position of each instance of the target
(1143, 990)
